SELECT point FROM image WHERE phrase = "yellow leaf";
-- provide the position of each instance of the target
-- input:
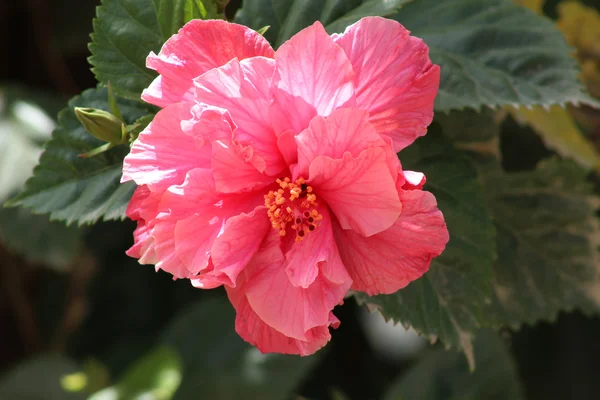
(581, 26)
(560, 133)
(533, 5)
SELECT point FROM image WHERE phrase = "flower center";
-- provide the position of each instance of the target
(293, 206)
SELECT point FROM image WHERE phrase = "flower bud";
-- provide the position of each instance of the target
(100, 124)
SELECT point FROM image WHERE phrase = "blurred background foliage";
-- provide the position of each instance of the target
(78, 318)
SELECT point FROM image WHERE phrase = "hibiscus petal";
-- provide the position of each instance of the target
(208, 123)
(143, 244)
(199, 47)
(289, 113)
(345, 130)
(316, 252)
(390, 260)
(414, 180)
(291, 310)
(242, 88)
(395, 79)
(267, 339)
(194, 221)
(237, 168)
(237, 243)
(198, 190)
(165, 248)
(162, 154)
(360, 191)
(312, 67)
(143, 208)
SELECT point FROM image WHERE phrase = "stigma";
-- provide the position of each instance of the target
(293, 208)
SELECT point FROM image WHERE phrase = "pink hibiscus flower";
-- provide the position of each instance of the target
(275, 174)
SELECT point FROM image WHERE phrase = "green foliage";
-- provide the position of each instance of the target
(287, 17)
(548, 238)
(442, 375)
(523, 245)
(125, 32)
(157, 376)
(449, 301)
(173, 14)
(75, 189)
(494, 53)
(218, 364)
(24, 125)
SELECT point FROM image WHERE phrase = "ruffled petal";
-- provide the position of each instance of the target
(360, 191)
(193, 219)
(390, 260)
(208, 123)
(233, 248)
(163, 154)
(312, 67)
(395, 79)
(317, 252)
(143, 208)
(267, 339)
(293, 311)
(237, 168)
(242, 88)
(197, 190)
(183, 246)
(197, 48)
(345, 130)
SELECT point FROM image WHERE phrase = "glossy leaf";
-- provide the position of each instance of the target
(287, 17)
(494, 53)
(125, 32)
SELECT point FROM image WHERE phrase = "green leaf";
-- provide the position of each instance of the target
(156, 375)
(125, 32)
(173, 14)
(39, 379)
(23, 126)
(449, 302)
(547, 229)
(548, 238)
(445, 375)
(494, 53)
(219, 365)
(286, 17)
(71, 188)
(367, 8)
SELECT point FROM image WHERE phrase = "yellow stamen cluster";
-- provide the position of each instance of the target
(293, 205)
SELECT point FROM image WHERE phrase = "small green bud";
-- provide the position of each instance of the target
(101, 124)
